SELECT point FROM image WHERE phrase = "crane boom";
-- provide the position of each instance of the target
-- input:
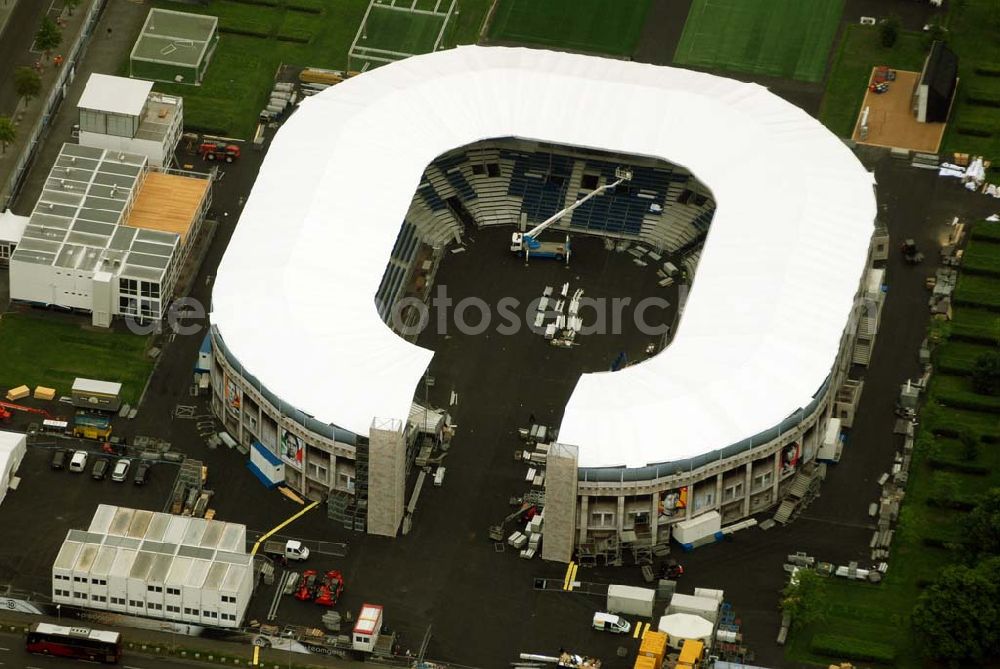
(623, 175)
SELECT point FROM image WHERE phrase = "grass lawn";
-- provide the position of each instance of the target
(881, 613)
(404, 32)
(858, 52)
(595, 26)
(42, 350)
(783, 38)
(239, 78)
(973, 29)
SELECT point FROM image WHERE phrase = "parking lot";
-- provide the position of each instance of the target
(34, 519)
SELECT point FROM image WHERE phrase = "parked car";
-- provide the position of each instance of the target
(59, 458)
(121, 470)
(142, 473)
(79, 461)
(100, 470)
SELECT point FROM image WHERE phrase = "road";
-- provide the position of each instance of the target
(13, 656)
(14, 48)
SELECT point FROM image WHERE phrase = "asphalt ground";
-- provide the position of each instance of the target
(15, 43)
(48, 503)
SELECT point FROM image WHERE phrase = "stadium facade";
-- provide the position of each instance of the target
(775, 212)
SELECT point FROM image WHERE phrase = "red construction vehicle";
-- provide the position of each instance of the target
(329, 592)
(5, 414)
(218, 151)
(307, 586)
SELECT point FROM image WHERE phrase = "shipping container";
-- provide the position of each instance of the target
(629, 599)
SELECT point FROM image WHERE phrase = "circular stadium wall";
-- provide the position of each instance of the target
(753, 372)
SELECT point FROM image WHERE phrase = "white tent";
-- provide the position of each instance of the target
(681, 626)
(765, 316)
(12, 448)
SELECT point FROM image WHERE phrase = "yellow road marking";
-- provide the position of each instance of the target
(256, 655)
(572, 576)
(278, 528)
(635, 633)
(569, 570)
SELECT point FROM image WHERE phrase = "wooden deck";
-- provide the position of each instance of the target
(168, 202)
(890, 121)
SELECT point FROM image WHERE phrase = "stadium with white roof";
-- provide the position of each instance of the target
(775, 212)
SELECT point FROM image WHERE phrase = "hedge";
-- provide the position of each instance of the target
(969, 404)
(849, 648)
(987, 71)
(973, 131)
(951, 503)
(955, 466)
(243, 32)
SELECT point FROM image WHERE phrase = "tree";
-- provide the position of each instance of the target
(888, 31)
(956, 619)
(986, 374)
(803, 597)
(982, 526)
(27, 83)
(8, 133)
(70, 5)
(48, 36)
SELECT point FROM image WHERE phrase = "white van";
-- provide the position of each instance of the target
(79, 461)
(609, 622)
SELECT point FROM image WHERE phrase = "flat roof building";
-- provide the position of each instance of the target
(157, 566)
(125, 114)
(93, 243)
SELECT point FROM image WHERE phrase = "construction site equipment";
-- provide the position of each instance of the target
(218, 151)
(187, 488)
(91, 426)
(526, 243)
(18, 393)
(7, 407)
(496, 532)
(654, 645)
(911, 254)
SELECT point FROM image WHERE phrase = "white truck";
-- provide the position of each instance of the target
(631, 600)
(290, 550)
(609, 622)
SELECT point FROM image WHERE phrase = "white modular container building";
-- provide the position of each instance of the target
(156, 565)
(12, 449)
(705, 607)
(830, 449)
(689, 531)
(631, 600)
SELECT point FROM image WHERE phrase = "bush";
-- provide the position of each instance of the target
(968, 403)
(888, 31)
(986, 374)
(987, 71)
(303, 8)
(849, 648)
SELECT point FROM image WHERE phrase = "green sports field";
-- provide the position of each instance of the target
(598, 26)
(783, 38)
(402, 32)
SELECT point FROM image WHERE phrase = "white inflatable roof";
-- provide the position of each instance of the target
(294, 295)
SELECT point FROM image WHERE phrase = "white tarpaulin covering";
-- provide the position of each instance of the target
(686, 626)
(12, 448)
(294, 295)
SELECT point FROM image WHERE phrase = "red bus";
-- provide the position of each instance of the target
(77, 642)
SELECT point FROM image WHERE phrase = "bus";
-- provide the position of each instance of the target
(76, 642)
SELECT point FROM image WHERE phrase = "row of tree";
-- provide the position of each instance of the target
(27, 81)
(957, 618)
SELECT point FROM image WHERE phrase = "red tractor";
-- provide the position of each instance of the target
(307, 586)
(330, 590)
(218, 151)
